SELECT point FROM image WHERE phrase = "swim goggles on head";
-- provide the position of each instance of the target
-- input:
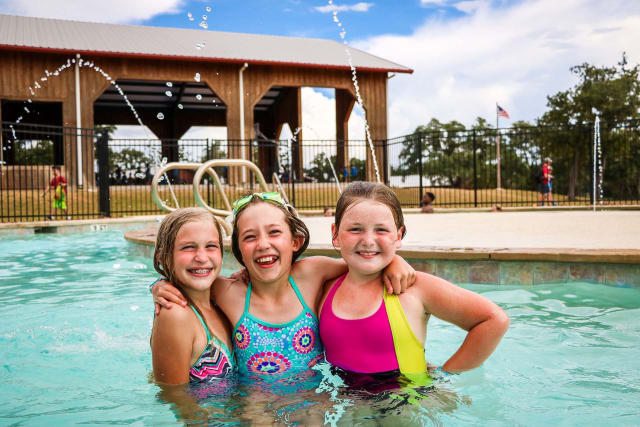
(271, 196)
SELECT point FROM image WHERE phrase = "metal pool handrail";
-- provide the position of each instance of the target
(200, 169)
(191, 166)
(276, 183)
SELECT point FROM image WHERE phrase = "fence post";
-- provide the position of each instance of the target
(385, 161)
(292, 180)
(102, 153)
(419, 148)
(475, 172)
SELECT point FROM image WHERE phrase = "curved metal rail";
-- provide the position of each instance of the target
(201, 169)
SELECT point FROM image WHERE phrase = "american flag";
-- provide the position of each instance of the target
(502, 112)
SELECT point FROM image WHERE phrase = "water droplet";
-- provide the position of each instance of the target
(140, 175)
(134, 307)
(204, 17)
(169, 84)
(116, 265)
(339, 24)
(217, 74)
(44, 79)
(199, 97)
(168, 93)
(197, 77)
(190, 16)
(29, 101)
(27, 110)
(204, 25)
(160, 116)
(208, 8)
(180, 106)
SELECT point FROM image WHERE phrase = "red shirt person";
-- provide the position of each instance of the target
(59, 186)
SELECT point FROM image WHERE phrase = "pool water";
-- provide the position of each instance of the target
(74, 346)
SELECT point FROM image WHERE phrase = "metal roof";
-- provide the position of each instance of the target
(61, 36)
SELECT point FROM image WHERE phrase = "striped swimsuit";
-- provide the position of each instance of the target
(215, 360)
(273, 349)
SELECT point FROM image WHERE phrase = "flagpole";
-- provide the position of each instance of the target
(498, 180)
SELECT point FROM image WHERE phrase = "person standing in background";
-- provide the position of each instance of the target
(59, 186)
(550, 185)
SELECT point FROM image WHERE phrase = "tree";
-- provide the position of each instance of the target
(320, 168)
(611, 92)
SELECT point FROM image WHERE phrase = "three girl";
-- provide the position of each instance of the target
(364, 327)
(274, 315)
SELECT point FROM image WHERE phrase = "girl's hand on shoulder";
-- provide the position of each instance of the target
(164, 293)
(241, 276)
(398, 276)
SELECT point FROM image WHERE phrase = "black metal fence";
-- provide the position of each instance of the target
(460, 168)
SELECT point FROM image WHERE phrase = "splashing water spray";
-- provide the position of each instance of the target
(158, 160)
(354, 79)
(597, 164)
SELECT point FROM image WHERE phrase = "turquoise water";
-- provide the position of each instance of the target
(74, 346)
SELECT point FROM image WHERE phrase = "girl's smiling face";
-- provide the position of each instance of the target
(266, 242)
(197, 255)
(368, 237)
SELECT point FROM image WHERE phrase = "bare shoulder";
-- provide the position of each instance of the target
(427, 286)
(177, 315)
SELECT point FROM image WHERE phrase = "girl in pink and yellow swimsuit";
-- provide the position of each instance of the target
(366, 330)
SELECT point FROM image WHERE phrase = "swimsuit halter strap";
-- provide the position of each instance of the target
(204, 325)
(298, 294)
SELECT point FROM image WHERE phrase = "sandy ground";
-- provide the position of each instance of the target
(574, 230)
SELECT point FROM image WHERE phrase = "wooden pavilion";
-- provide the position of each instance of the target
(244, 80)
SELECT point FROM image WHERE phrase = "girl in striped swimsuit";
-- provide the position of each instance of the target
(191, 343)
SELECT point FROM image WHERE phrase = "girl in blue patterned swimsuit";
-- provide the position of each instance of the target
(276, 326)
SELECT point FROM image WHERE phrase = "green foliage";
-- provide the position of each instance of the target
(320, 168)
(614, 94)
(34, 152)
(564, 133)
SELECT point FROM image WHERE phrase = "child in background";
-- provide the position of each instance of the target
(275, 315)
(58, 185)
(366, 330)
(190, 344)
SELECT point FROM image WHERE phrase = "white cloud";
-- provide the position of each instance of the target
(515, 56)
(358, 7)
(112, 11)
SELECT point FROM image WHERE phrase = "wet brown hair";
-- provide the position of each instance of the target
(296, 225)
(359, 191)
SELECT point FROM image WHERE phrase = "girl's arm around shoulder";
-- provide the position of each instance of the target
(318, 269)
(229, 294)
(172, 345)
(482, 318)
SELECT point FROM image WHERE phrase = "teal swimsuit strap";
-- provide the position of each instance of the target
(204, 325)
(297, 291)
(210, 336)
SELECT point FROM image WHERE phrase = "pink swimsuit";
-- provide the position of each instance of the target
(358, 345)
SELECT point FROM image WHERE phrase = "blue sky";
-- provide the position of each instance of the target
(301, 18)
(467, 54)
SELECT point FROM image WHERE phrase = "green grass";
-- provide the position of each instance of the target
(27, 205)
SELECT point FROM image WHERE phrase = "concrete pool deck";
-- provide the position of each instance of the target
(527, 247)
(514, 248)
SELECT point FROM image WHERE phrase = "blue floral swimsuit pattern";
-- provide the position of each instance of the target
(274, 349)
